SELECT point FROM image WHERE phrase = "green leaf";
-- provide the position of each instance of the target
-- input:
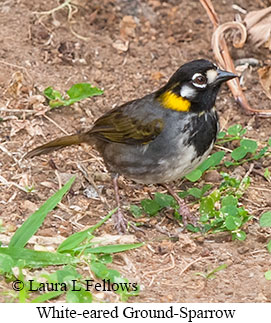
(261, 153)
(217, 157)
(52, 94)
(265, 219)
(6, 264)
(228, 163)
(191, 228)
(31, 258)
(196, 192)
(229, 200)
(164, 200)
(32, 224)
(267, 275)
(205, 188)
(101, 271)
(269, 142)
(232, 223)
(105, 258)
(217, 269)
(269, 246)
(80, 295)
(194, 175)
(267, 174)
(82, 91)
(77, 238)
(249, 145)
(66, 274)
(47, 296)
(221, 135)
(212, 161)
(239, 153)
(151, 207)
(76, 93)
(204, 218)
(234, 130)
(241, 235)
(125, 290)
(136, 211)
(113, 248)
(207, 206)
(55, 97)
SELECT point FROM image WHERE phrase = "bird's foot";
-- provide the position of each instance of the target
(120, 223)
(184, 211)
(187, 216)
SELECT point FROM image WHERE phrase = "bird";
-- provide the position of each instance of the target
(159, 138)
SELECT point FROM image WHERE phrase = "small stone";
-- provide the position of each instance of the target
(242, 250)
(212, 176)
(30, 206)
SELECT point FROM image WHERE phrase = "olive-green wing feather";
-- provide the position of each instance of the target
(117, 126)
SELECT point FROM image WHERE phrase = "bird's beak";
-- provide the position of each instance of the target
(223, 76)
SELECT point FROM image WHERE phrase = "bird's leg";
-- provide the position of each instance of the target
(118, 217)
(183, 209)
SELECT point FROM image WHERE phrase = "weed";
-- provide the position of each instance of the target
(76, 251)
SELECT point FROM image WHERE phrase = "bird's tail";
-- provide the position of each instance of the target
(56, 144)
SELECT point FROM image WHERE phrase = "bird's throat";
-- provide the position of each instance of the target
(172, 101)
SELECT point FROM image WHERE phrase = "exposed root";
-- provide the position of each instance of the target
(224, 59)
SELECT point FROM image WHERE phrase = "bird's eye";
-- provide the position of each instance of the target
(199, 80)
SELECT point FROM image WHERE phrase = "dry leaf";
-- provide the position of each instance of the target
(108, 239)
(265, 79)
(30, 126)
(16, 83)
(258, 25)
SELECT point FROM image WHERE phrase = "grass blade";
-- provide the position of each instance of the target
(47, 296)
(113, 248)
(75, 239)
(32, 224)
(31, 258)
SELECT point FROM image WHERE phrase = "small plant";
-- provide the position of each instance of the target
(75, 252)
(267, 275)
(267, 175)
(248, 149)
(211, 274)
(265, 221)
(76, 93)
(220, 210)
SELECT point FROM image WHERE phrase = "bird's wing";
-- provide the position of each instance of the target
(120, 126)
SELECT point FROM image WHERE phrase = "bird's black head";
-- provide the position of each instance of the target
(193, 87)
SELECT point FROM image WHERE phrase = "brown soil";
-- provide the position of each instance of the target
(54, 50)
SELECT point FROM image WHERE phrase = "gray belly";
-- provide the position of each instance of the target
(178, 150)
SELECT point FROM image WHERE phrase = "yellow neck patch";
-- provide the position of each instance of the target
(172, 101)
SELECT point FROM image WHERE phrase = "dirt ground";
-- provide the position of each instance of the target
(129, 48)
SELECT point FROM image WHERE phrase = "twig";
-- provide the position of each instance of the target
(19, 67)
(17, 110)
(161, 269)
(49, 12)
(189, 265)
(7, 183)
(4, 149)
(58, 126)
(222, 55)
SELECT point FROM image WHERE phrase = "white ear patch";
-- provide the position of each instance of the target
(187, 92)
(211, 76)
